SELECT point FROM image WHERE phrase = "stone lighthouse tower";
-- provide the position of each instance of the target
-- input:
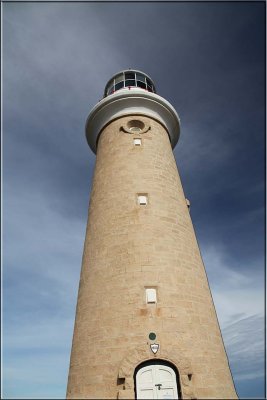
(145, 325)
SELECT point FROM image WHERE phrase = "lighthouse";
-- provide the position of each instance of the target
(145, 326)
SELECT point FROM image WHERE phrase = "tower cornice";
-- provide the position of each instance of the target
(133, 101)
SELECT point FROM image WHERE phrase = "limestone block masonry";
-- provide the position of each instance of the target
(129, 247)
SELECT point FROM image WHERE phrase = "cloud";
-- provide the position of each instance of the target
(234, 292)
(244, 340)
(245, 343)
(41, 279)
(47, 244)
(36, 375)
(237, 296)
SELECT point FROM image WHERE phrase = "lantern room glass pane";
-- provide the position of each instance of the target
(119, 78)
(119, 85)
(110, 89)
(141, 85)
(140, 77)
(150, 86)
(130, 82)
(129, 75)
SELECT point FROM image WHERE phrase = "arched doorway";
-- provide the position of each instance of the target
(157, 379)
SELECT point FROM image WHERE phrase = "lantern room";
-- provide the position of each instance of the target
(129, 79)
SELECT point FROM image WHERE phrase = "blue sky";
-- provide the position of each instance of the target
(208, 60)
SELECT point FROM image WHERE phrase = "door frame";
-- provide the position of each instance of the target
(158, 361)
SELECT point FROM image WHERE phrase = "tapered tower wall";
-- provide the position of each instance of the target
(130, 247)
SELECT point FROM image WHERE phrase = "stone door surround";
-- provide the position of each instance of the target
(141, 354)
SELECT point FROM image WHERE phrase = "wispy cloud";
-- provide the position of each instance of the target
(40, 291)
(244, 340)
(234, 292)
(239, 303)
(245, 343)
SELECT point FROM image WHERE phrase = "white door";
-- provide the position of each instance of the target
(156, 381)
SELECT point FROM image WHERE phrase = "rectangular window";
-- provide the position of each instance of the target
(137, 142)
(142, 199)
(151, 295)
